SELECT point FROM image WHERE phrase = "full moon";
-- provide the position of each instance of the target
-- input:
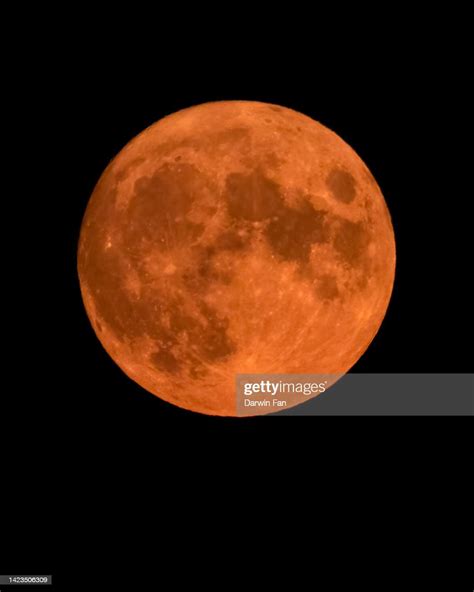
(234, 237)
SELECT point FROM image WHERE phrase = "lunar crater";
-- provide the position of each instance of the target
(342, 185)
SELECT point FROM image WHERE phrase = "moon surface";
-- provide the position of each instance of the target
(234, 237)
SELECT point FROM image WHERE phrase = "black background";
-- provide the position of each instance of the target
(84, 447)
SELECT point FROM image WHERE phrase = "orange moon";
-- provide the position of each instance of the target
(234, 237)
